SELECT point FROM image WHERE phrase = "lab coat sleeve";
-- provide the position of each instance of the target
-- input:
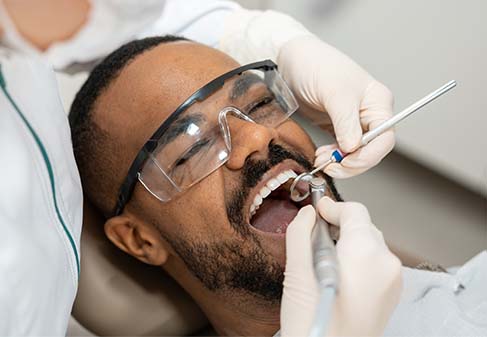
(246, 35)
(253, 35)
(201, 21)
(40, 202)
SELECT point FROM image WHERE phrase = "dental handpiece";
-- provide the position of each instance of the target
(324, 262)
(324, 254)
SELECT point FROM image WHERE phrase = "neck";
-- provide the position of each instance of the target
(230, 313)
(45, 22)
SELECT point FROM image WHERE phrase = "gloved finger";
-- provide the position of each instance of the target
(359, 161)
(343, 214)
(377, 104)
(299, 286)
(298, 239)
(323, 153)
(343, 109)
(362, 159)
(328, 148)
(357, 232)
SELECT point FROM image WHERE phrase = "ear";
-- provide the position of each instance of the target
(138, 239)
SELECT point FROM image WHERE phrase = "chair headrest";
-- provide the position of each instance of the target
(119, 295)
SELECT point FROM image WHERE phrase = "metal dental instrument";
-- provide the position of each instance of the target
(337, 156)
(324, 261)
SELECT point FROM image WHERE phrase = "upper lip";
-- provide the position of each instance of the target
(287, 164)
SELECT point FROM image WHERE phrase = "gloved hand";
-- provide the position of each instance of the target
(325, 80)
(370, 275)
(333, 91)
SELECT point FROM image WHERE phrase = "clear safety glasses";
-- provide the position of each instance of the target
(195, 140)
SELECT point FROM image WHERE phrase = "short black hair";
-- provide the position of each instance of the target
(94, 150)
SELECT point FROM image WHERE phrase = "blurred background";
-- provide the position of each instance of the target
(429, 196)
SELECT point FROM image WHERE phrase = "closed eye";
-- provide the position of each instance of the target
(192, 151)
(263, 102)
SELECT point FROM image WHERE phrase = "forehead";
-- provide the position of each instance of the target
(152, 86)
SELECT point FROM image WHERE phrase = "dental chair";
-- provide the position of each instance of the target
(119, 295)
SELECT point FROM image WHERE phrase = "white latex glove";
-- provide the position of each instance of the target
(333, 91)
(370, 275)
(324, 79)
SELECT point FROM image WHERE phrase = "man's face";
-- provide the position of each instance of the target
(212, 227)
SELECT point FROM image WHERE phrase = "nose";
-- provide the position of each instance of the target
(248, 139)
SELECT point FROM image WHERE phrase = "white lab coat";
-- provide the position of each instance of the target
(40, 190)
(40, 202)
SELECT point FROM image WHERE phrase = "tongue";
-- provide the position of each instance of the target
(274, 215)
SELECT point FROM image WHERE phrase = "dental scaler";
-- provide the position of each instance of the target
(324, 262)
(337, 156)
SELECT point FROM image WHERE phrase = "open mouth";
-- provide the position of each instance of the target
(272, 209)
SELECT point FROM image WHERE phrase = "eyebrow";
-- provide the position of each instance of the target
(242, 85)
(180, 126)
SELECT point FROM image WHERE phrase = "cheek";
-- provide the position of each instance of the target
(291, 133)
(199, 213)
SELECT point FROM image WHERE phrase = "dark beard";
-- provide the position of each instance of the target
(234, 266)
(242, 264)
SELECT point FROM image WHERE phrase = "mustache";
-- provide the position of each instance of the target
(253, 170)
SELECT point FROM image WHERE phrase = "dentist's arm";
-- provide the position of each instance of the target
(333, 91)
(370, 275)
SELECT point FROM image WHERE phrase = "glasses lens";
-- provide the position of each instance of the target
(263, 96)
(180, 164)
(193, 144)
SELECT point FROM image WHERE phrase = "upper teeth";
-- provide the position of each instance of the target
(271, 185)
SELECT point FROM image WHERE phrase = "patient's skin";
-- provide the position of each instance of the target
(191, 236)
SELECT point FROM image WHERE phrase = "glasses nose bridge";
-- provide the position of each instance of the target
(224, 126)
